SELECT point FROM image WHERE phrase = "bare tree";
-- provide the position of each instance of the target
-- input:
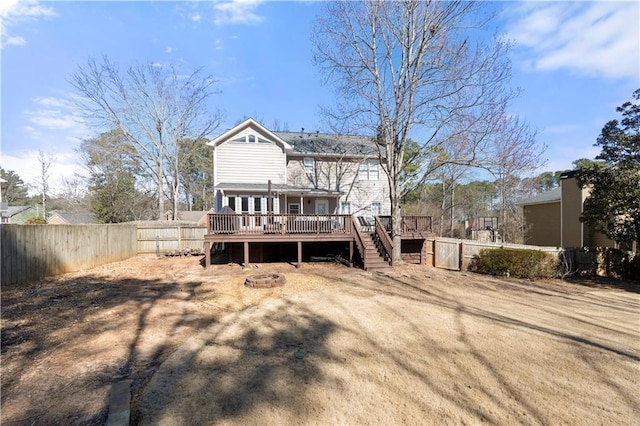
(409, 69)
(514, 154)
(45, 161)
(155, 108)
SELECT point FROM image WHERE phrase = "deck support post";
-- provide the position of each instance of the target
(351, 253)
(207, 254)
(246, 254)
(299, 254)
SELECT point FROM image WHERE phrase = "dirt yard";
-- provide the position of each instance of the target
(333, 346)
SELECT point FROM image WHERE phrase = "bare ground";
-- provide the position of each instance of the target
(415, 345)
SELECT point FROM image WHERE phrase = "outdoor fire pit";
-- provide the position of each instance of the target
(265, 281)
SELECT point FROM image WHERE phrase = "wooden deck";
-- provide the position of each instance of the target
(366, 233)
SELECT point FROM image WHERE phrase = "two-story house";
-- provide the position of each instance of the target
(282, 193)
(259, 171)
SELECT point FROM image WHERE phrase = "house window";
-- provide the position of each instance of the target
(232, 203)
(369, 170)
(376, 208)
(251, 138)
(294, 208)
(345, 207)
(257, 204)
(308, 164)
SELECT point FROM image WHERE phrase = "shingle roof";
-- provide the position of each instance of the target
(14, 210)
(321, 143)
(191, 216)
(77, 218)
(546, 197)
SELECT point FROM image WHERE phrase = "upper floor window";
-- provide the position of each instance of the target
(251, 138)
(345, 207)
(369, 170)
(308, 165)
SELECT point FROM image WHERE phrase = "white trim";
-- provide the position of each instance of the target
(311, 165)
(249, 122)
(379, 203)
(294, 204)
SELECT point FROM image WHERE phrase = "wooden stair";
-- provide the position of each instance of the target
(373, 257)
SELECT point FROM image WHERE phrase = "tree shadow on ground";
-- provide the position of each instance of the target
(248, 361)
(77, 336)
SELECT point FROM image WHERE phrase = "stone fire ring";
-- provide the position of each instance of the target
(265, 281)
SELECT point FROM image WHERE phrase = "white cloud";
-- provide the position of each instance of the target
(15, 12)
(196, 17)
(52, 113)
(15, 41)
(237, 12)
(170, 49)
(65, 166)
(590, 38)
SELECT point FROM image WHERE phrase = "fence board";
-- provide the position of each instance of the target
(450, 253)
(165, 237)
(447, 254)
(30, 252)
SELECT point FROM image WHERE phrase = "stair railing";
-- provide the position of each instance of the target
(383, 237)
(359, 241)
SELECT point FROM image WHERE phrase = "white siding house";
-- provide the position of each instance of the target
(259, 171)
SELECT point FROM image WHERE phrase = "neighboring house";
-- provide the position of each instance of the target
(66, 218)
(19, 214)
(309, 173)
(553, 218)
(199, 216)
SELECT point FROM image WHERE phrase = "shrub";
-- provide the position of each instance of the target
(530, 264)
(35, 220)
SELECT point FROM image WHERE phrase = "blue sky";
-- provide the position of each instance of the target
(575, 62)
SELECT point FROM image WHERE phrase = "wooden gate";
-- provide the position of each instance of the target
(447, 254)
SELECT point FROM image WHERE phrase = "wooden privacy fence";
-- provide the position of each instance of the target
(449, 253)
(30, 252)
(164, 237)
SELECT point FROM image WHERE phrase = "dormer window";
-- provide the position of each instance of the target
(251, 138)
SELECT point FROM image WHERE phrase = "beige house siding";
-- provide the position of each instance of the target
(543, 224)
(574, 232)
(572, 200)
(249, 162)
(341, 175)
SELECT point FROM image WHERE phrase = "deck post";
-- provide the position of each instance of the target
(299, 254)
(207, 254)
(246, 254)
(351, 253)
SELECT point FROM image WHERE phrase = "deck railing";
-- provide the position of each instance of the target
(410, 224)
(279, 224)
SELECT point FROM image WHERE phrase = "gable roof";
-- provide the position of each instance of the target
(249, 122)
(75, 218)
(191, 216)
(552, 196)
